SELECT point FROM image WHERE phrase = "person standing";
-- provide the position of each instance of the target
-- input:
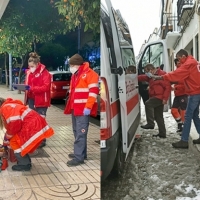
(37, 96)
(180, 101)
(159, 93)
(189, 71)
(25, 130)
(82, 103)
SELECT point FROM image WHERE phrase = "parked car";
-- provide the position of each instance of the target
(60, 84)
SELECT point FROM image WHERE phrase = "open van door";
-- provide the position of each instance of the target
(156, 53)
(127, 83)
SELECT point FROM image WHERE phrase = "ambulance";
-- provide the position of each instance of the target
(120, 101)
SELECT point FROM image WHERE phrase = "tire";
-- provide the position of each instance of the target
(119, 161)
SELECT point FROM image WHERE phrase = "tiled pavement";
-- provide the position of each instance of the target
(50, 177)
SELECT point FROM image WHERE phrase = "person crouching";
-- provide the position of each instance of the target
(25, 130)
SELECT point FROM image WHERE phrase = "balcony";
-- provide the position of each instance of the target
(185, 11)
(170, 26)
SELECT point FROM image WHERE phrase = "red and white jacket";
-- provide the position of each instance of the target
(25, 125)
(40, 85)
(84, 88)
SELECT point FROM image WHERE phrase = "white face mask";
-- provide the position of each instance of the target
(32, 69)
(73, 70)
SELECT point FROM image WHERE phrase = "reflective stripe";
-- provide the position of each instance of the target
(11, 105)
(93, 85)
(13, 119)
(80, 101)
(8, 136)
(91, 94)
(81, 90)
(25, 113)
(37, 135)
(17, 150)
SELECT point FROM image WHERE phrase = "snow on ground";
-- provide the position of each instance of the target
(160, 172)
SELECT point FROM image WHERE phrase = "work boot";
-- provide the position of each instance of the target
(43, 144)
(74, 162)
(181, 144)
(196, 141)
(159, 135)
(21, 167)
(147, 126)
(71, 155)
(180, 127)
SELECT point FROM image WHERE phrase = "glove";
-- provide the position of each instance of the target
(86, 111)
(27, 87)
(149, 74)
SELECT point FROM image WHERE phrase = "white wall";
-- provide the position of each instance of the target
(190, 33)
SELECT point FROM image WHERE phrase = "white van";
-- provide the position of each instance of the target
(120, 106)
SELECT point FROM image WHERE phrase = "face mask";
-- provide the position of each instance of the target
(32, 69)
(182, 60)
(149, 74)
(73, 70)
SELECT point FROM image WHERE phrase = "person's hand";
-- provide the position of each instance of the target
(157, 77)
(164, 102)
(14, 87)
(86, 111)
(5, 141)
(27, 87)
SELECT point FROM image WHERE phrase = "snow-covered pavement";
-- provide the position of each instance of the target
(157, 171)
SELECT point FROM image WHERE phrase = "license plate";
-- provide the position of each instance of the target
(65, 87)
(103, 144)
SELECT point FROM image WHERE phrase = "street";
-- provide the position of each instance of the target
(155, 170)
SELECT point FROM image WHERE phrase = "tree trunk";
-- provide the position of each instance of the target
(6, 72)
(20, 70)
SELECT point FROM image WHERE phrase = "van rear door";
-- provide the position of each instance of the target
(127, 83)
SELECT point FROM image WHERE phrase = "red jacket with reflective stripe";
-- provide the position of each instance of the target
(189, 72)
(159, 89)
(40, 84)
(29, 126)
(84, 88)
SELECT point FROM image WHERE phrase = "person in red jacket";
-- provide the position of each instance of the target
(82, 103)
(159, 93)
(37, 95)
(180, 101)
(189, 71)
(25, 130)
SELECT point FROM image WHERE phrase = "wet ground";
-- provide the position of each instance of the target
(155, 170)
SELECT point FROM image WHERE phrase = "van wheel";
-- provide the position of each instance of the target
(119, 161)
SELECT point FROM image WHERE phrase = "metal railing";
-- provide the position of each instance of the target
(180, 5)
(171, 25)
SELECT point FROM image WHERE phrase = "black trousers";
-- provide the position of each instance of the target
(154, 111)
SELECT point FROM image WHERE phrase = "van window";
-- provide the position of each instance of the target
(62, 77)
(154, 55)
(109, 39)
(128, 57)
(123, 30)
